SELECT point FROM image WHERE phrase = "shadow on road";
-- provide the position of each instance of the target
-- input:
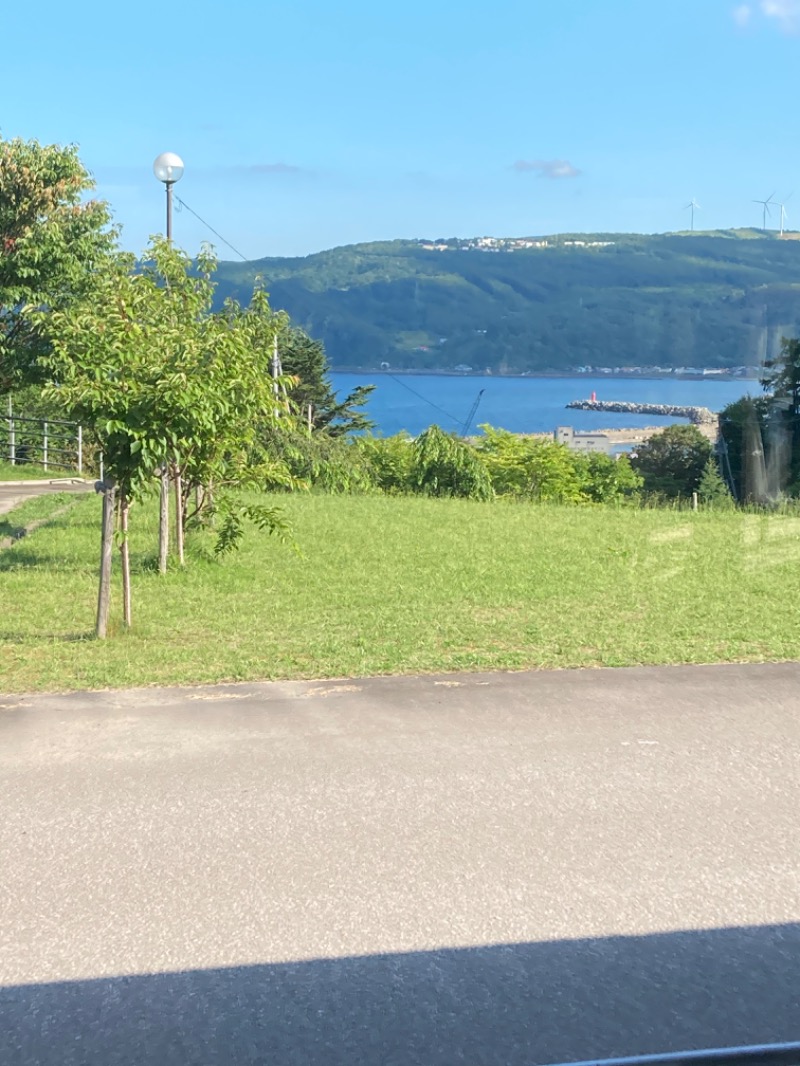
(502, 1005)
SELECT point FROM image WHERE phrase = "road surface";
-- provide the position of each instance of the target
(494, 869)
(13, 493)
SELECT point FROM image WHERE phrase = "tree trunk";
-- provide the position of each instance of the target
(178, 516)
(124, 506)
(163, 528)
(107, 544)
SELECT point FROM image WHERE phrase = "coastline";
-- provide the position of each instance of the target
(541, 374)
(635, 435)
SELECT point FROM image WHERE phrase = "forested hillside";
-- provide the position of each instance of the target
(718, 299)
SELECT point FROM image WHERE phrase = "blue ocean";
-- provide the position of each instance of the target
(526, 405)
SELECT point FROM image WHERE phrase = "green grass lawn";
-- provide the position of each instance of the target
(413, 585)
(31, 472)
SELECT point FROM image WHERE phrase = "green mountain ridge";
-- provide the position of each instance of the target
(527, 304)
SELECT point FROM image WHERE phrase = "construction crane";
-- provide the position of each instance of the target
(467, 425)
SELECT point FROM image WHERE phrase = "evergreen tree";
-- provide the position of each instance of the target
(304, 359)
(739, 423)
(712, 489)
(781, 381)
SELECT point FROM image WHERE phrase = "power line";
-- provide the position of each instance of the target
(441, 410)
(216, 234)
(425, 400)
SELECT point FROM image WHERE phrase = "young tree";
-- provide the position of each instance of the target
(672, 462)
(156, 378)
(54, 244)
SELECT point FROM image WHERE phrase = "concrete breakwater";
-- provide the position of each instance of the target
(699, 416)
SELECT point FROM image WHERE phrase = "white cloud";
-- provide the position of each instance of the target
(742, 15)
(274, 168)
(786, 14)
(554, 169)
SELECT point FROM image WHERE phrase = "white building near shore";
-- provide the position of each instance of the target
(583, 442)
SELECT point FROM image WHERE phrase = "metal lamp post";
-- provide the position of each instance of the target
(168, 167)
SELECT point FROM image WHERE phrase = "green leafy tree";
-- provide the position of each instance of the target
(54, 246)
(156, 377)
(671, 463)
(444, 465)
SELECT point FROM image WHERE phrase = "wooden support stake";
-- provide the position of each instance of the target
(163, 524)
(106, 546)
(12, 448)
(178, 516)
(124, 548)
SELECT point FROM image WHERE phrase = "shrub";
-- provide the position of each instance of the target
(606, 479)
(389, 461)
(444, 465)
(529, 467)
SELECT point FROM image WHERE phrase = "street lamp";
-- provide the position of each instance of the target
(168, 168)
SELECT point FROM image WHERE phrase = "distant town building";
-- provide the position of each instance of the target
(492, 244)
(583, 442)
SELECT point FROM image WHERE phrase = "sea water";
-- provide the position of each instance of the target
(527, 405)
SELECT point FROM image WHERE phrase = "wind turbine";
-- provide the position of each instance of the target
(784, 216)
(767, 211)
(693, 206)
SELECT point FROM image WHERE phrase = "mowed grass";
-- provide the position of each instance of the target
(384, 585)
(31, 472)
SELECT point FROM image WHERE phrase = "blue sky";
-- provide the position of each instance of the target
(309, 124)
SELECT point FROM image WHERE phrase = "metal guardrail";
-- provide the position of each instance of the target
(41, 442)
(754, 1055)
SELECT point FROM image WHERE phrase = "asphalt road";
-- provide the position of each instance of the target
(12, 493)
(504, 869)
